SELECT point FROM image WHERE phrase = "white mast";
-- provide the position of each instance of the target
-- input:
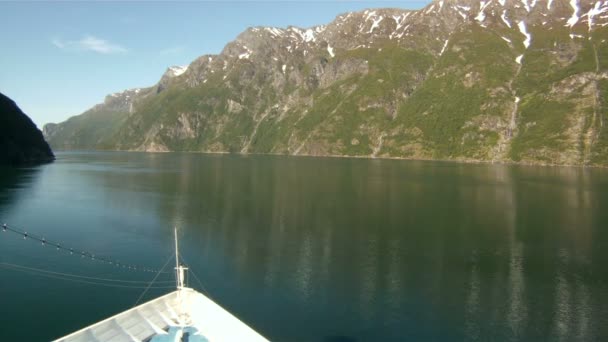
(179, 270)
(179, 279)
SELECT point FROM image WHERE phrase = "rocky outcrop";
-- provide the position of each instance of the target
(21, 143)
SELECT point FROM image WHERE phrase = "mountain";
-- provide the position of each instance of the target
(95, 128)
(20, 141)
(506, 81)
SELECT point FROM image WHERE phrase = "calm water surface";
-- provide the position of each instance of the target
(317, 249)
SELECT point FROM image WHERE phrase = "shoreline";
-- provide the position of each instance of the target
(462, 161)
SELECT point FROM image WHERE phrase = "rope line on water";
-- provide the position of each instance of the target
(69, 275)
(35, 272)
(74, 251)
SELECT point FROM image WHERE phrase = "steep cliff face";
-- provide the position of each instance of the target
(20, 141)
(95, 128)
(510, 81)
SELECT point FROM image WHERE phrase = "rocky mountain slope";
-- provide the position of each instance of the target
(20, 141)
(499, 80)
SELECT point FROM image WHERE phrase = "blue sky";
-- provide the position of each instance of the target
(60, 58)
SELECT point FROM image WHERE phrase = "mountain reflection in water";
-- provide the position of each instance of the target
(329, 249)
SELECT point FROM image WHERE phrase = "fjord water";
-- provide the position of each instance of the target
(316, 249)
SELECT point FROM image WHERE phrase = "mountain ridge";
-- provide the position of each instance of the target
(504, 81)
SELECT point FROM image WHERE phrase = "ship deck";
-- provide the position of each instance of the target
(182, 315)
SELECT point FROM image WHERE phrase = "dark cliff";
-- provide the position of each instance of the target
(21, 142)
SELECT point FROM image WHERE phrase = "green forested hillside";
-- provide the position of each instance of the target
(456, 80)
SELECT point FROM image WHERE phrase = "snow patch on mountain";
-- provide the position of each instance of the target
(275, 31)
(177, 70)
(481, 15)
(444, 46)
(522, 29)
(504, 18)
(574, 18)
(375, 24)
(462, 11)
(596, 10)
(464, 16)
(400, 19)
(330, 50)
(245, 54)
(369, 14)
(309, 36)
